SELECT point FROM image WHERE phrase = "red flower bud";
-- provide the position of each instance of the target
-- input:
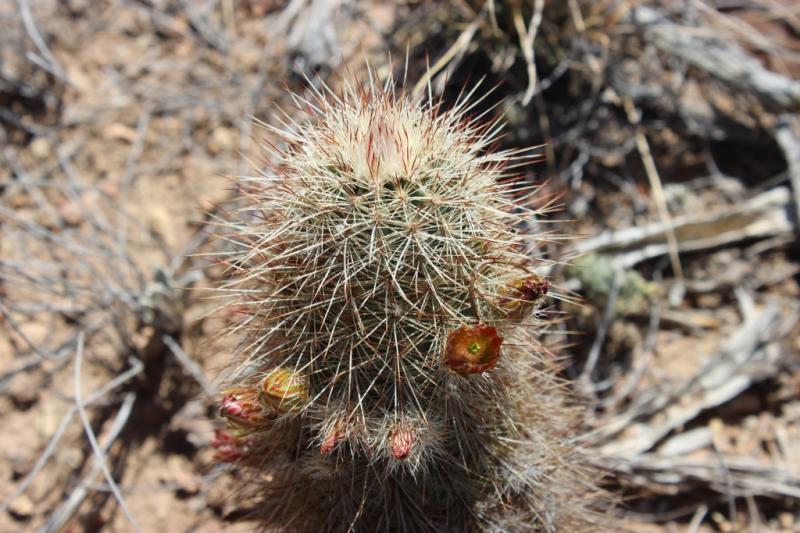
(240, 407)
(230, 447)
(401, 442)
(332, 439)
(473, 349)
(284, 391)
(520, 297)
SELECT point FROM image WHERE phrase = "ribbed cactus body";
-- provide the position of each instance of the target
(390, 359)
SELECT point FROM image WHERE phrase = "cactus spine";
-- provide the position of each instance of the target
(390, 377)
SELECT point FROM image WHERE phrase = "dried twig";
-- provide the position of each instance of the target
(127, 179)
(643, 146)
(527, 36)
(788, 137)
(135, 369)
(68, 508)
(193, 368)
(100, 455)
(762, 216)
(744, 360)
(742, 475)
(458, 48)
(13, 323)
(697, 519)
(723, 60)
(204, 27)
(50, 64)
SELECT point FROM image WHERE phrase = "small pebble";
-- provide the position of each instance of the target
(72, 213)
(21, 508)
(40, 148)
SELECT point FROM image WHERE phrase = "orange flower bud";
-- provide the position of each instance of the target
(284, 391)
(473, 349)
(401, 442)
(520, 297)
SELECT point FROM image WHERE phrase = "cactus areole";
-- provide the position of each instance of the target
(389, 376)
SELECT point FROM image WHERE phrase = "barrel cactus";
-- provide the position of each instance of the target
(389, 376)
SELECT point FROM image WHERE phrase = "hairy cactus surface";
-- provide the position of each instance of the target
(390, 377)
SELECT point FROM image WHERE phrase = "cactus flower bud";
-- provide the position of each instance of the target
(473, 349)
(283, 391)
(520, 297)
(230, 447)
(401, 442)
(240, 407)
(332, 439)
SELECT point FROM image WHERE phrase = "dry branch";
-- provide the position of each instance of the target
(60, 517)
(736, 475)
(764, 216)
(788, 137)
(725, 61)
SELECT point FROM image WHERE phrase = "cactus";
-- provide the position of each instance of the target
(390, 378)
